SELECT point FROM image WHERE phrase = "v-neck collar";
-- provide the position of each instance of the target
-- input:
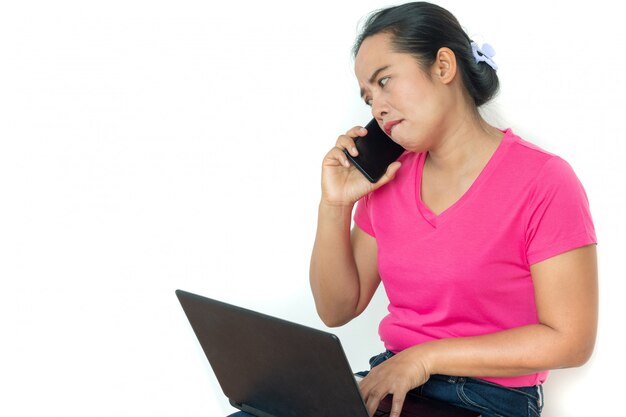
(437, 220)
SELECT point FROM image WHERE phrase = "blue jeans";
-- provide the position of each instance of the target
(489, 399)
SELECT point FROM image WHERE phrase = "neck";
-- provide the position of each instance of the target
(466, 142)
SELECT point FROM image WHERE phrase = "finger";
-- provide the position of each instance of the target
(372, 402)
(396, 404)
(346, 142)
(356, 132)
(364, 387)
(336, 157)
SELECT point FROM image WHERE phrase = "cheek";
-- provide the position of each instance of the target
(426, 116)
(430, 105)
(412, 98)
(421, 108)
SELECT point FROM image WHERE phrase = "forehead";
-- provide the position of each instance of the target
(375, 51)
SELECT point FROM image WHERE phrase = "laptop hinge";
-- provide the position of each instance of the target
(250, 410)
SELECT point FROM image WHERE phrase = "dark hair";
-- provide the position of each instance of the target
(421, 29)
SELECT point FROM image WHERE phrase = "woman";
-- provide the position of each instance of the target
(483, 241)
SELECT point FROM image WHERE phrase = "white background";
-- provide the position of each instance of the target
(147, 146)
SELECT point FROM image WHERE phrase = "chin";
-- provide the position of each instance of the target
(409, 145)
(414, 143)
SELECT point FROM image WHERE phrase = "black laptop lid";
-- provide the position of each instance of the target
(273, 366)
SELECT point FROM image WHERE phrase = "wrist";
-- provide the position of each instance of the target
(333, 215)
(336, 205)
(425, 356)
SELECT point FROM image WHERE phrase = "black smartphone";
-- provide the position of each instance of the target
(376, 152)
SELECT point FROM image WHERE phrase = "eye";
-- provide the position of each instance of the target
(381, 83)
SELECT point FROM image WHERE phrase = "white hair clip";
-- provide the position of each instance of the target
(484, 54)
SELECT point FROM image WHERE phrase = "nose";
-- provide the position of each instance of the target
(379, 108)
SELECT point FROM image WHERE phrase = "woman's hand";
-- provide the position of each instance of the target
(397, 376)
(342, 183)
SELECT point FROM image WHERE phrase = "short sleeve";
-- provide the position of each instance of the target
(362, 216)
(559, 217)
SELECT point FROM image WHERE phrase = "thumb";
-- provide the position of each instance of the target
(390, 174)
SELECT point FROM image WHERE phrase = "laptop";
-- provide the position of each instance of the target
(269, 367)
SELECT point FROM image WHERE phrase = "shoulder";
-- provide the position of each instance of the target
(537, 163)
(526, 150)
(551, 186)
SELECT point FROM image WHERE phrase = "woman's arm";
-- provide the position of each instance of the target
(566, 293)
(344, 267)
(344, 270)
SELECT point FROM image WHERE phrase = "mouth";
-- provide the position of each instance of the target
(390, 125)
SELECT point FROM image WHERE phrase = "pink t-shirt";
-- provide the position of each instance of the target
(466, 271)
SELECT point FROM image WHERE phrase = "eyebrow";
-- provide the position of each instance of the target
(373, 77)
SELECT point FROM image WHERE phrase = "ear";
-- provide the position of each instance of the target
(444, 68)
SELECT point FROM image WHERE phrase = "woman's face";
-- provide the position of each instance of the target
(408, 104)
